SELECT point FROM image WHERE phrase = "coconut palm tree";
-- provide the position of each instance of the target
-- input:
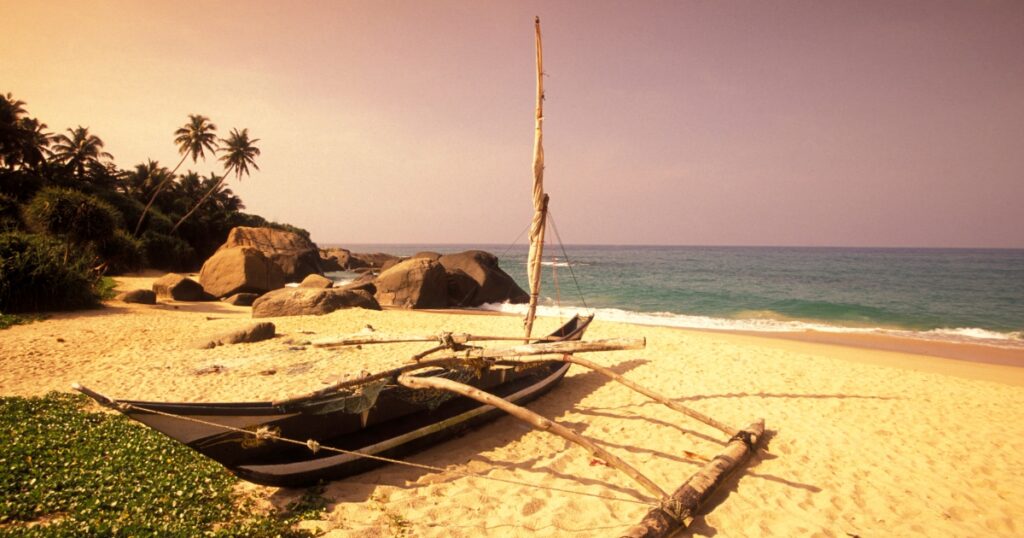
(79, 150)
(23, 140)
(194, 138)
(238, 153)
(144, 179)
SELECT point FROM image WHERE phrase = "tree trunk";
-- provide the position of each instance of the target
(200, 202)
(159, 188)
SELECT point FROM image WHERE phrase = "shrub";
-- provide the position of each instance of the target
(122, 253)
(10, 215)
(34, 276)
(131, 209)
(21, 185)
(166, 252)
(73, 215)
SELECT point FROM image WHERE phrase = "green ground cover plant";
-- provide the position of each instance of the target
(66, 471)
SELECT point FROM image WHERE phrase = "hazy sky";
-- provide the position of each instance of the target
(727, 123)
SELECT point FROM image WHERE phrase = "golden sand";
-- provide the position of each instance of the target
(866, 442)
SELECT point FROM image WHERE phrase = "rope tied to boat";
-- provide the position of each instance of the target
(275, 435)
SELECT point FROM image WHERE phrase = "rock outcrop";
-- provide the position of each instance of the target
(239, 269)
(310, 301)
(413, 283)
(474, 278)
(341, 259)
(179, 288)
(294, 255)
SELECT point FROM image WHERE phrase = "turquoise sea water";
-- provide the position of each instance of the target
(950, 294)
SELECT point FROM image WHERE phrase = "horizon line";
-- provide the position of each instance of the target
(706, 245)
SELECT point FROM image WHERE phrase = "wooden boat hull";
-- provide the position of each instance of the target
(385, 420)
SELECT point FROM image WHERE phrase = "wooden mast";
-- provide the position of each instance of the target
(540, 199)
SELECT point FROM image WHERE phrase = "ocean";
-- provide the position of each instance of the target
(970, 295)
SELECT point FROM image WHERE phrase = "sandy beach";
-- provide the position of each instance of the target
(867, 440)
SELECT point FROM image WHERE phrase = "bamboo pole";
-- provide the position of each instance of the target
(562, 347)
(548, 348)
(535, 420)
(458, 338)
(679, 510)
(660, 398)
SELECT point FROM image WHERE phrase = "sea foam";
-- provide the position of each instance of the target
(1013, 340)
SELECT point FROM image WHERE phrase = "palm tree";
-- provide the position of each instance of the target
(79, 150)
(197, 136)
(239, 152)
(23, 140)
(37, 142)
(144, 179)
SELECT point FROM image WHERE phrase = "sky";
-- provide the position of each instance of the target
(895, 123)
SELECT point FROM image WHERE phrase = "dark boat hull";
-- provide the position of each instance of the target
(386, 420)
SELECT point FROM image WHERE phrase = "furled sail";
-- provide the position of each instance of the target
(540, 199)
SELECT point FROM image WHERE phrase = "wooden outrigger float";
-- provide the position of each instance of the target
(355, 424)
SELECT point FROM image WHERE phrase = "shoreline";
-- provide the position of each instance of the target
(853, 428)
(963, 359)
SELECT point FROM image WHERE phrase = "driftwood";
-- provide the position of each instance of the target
(535, 420)
(549, 348)
(679, 510)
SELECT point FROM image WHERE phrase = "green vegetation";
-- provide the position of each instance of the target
(68, 472)
(35, 276)
(65, 189)
(7, 320)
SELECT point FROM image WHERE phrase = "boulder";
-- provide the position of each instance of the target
(413, 283)
(255, 332)
(310, 301)
(179, 288)
(137, 296)
(428, 254)
(341, 259)
(316, 281)
(295, 255)
(334, 259)
(391, 263)
(474, 278)
(241, 299)
(373, 260)
(364, 282)
(239, 269)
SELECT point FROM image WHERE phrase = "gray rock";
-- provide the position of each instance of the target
(293, 254)
(239, 269)
(474, 278)
(316, 281)
(413, 283)
(241, 299)
(137, 296)
(310, 301)
(179, 288)
(255, 332)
